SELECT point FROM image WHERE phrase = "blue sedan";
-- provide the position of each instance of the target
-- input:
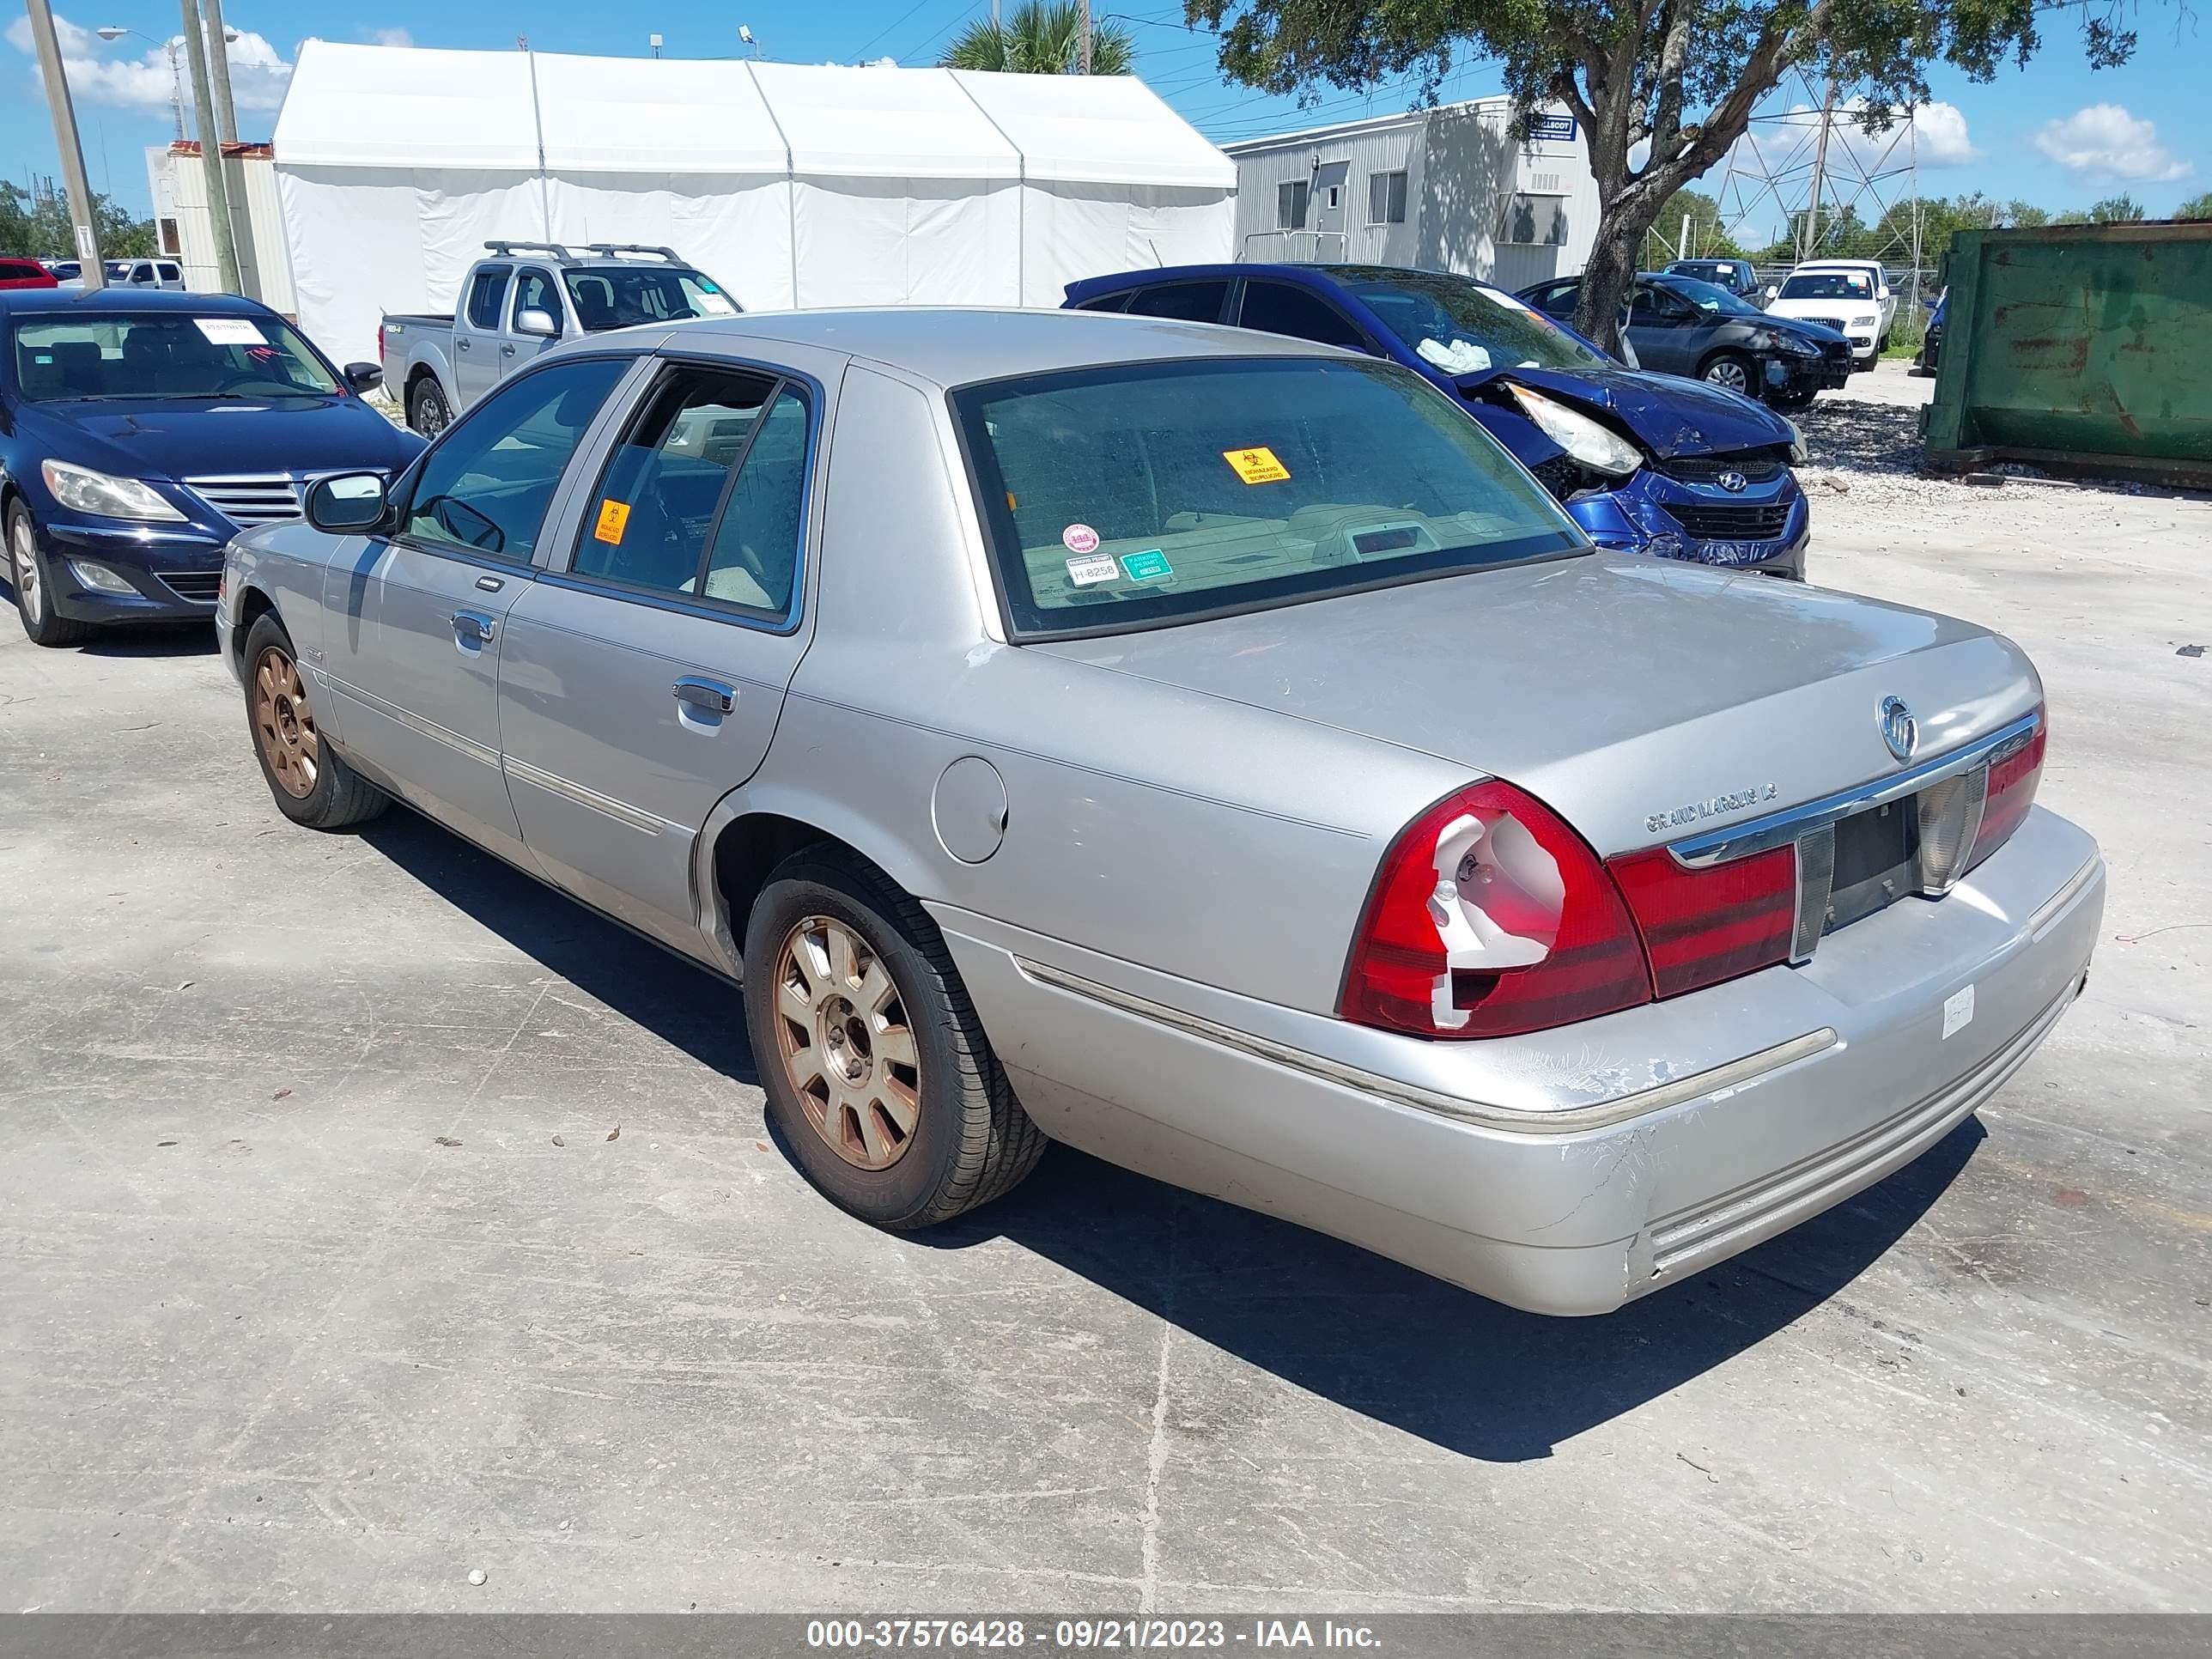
(1645, 463)
(139, 431)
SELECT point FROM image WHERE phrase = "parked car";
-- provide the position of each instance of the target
(25, 273)
(140, 430)
(1736, 275)
(1203, 748)
(63, 271)
(1681, 326)
(1931, 360)
(1852, 297)
(146, 273)
(1644, 463)
(523, 300)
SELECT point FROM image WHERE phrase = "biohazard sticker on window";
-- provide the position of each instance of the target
(1256, 466)
(614, 519)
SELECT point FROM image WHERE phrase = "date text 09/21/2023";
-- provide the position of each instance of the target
(1084, 1635)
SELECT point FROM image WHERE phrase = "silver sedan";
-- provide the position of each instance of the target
(1205, 748)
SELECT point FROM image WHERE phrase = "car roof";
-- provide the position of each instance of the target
(952, 346)
(23, 301)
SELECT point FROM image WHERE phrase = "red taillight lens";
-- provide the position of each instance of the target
(2012, 779)
(1701, 926)
(1491, 916)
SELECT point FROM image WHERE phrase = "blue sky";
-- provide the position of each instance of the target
(2055, 133)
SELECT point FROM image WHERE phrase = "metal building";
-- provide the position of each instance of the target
(184, 231)
(1446, 189)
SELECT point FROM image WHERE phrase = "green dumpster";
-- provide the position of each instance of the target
(2078, 348)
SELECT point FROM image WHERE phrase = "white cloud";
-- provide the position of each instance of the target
(1931, 135)
(391, 38)
(130, 74)
(2105, 142)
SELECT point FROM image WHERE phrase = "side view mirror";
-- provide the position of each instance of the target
(537, 321)
(364, 377)
(1773, 291)
(347, 503)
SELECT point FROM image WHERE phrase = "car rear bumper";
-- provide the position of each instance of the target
(171, 571)
(1571, 1171)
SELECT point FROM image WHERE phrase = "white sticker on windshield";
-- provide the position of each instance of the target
(1092, 567)
(715, 306)
(231, 331)
(1079, 538)
(1512, 300)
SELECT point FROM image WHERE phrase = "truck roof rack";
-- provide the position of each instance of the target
(506, 249)
(612, 248)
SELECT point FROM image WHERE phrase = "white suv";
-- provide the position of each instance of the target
(1852, 296)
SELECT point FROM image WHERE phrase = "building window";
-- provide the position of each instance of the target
(170, 244)
(1290, 206)
(1386, 198)
(1531, 220)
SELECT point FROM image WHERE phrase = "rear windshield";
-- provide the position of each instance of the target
(647, 294)
(1827, 285)
(164, 356)
(1155, 493)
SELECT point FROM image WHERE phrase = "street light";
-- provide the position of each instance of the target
(116, 32)
(746, 34)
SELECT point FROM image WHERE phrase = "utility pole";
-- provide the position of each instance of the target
(84, 224)
(1811, 232)
(226, 250)
(1083, 46)
(234, 172)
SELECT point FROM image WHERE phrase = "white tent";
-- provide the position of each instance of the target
(792, 186)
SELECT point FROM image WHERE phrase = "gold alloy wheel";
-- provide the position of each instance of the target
(846, 1046)
(283, 724)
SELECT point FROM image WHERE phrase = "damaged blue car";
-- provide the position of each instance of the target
(1652, 464)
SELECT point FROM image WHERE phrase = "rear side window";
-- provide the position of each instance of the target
(1280, 308)
(704, 495)
(485, 294)
(1190, 302)
(1153, 493)
(1106, 302)
(486, 485)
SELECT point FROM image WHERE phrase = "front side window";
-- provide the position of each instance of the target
(535, 289)
(1386, 198)
(485, 294)
(626, 296)
(1291, 200)
(1280, 308)
(1148, 494)
(1462, 327)
(164, 354)
(486, 485)
(703, 495)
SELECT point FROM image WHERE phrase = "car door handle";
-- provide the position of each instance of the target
(474, 625)
(507, 350)
(710, 696)
(460, 345)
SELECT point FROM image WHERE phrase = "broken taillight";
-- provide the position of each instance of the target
(1701, 926)
(1490, 916)
(2014, 772)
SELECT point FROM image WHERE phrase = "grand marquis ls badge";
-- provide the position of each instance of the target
(1714, 807)
(1899, 729)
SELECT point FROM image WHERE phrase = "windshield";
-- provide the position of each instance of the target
(1151, 493)
(1827, 285)
(645, 293)
(1464, 328)
(1706, 296)
(1704, 271)
(166, 354)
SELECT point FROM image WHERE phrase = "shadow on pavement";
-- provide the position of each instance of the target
(679, 1002)
(1406, 1350)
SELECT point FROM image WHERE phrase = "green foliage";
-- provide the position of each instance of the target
(1043, 37)
(1709, 238)
(2197, 207)
(2116, 210)
(36, 222)
(1682, 75)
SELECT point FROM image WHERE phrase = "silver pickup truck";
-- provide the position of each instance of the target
(524, 298)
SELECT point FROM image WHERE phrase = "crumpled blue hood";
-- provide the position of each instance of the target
(1670, 415)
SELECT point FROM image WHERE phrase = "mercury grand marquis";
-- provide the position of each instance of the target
(1204, 748)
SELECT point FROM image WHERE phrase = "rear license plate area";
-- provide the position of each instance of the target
(1877, 861)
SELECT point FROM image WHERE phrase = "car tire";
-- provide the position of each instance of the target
(34, 586)
(310, 781)
(1731, 371)
(827, 924)
(428, 413)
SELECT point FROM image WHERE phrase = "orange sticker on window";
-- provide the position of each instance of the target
(614, 519)
(1256, 465)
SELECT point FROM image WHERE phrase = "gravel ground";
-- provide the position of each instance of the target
(329, 1285)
